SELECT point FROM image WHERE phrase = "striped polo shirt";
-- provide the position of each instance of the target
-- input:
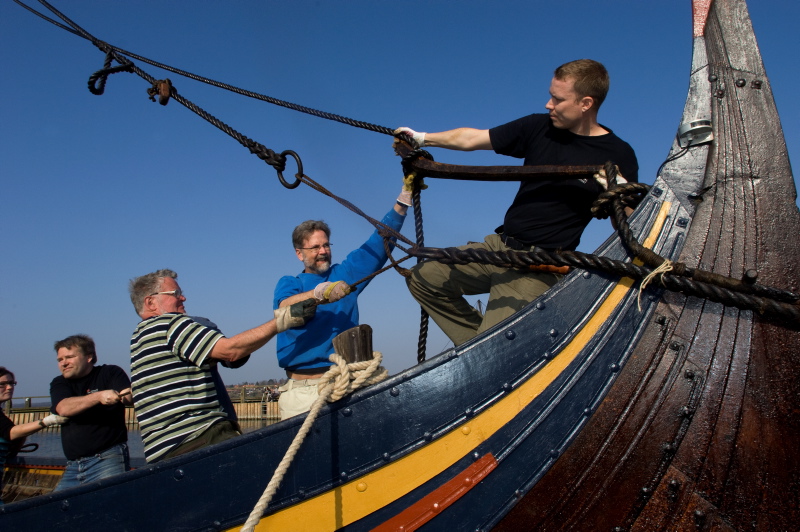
(173, 387)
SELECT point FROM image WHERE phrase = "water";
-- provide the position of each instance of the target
(50, 450)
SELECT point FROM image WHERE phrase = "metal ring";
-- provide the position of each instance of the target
(299, 173)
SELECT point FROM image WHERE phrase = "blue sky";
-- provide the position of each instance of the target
(100, 189)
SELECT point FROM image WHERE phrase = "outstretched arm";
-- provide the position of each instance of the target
(463, 138)
(26, 429)
(243, 344)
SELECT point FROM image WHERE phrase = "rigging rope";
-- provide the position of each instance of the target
(119, 52)
(767, 301)
(342, 379)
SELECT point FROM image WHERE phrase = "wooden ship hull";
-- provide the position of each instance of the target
(596, 408)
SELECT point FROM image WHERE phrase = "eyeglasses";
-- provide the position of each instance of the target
(316, 249)
(177, 293)
(9, 384)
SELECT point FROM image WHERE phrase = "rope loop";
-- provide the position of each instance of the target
(97, 81)
(346, 378)
(629, 194)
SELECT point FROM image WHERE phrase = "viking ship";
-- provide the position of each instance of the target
(603, 405)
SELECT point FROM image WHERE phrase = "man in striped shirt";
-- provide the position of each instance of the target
(172, 357)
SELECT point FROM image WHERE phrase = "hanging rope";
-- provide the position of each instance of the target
(342, 379)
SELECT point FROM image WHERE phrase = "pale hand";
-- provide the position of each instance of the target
(602, 178)
(53, 419)
(418, 137)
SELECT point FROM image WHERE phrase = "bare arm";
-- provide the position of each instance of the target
(24, 430)
(72, 406)
(243, 344)
(463, 138)
(20, 432)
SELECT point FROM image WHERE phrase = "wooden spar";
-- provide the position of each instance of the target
(427, 168)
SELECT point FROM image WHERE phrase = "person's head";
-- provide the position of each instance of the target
(157, 293)
(7, 385)
(577, 90)
(311, 241)
(76, 356)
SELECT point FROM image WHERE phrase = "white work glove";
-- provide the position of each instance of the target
(602, 178)
(331, 292)
(405, 196)
(295, 315)
(419, 138)
(53, 419)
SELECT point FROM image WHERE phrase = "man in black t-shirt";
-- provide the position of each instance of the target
(94, 399)
(550, 214)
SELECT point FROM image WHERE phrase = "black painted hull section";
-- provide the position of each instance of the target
(522, 394)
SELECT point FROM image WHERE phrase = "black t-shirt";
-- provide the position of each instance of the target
(100, 427)
(7, 447)
(553, 213)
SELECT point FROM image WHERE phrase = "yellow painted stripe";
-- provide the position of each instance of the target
(356, 499)
(35, 470)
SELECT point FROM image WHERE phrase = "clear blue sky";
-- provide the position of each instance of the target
(100, 189)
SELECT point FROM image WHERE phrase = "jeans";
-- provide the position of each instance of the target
(112, 461)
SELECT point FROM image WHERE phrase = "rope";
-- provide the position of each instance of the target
(767, 301)
(665, 267)
(342, 379)
(118, 52)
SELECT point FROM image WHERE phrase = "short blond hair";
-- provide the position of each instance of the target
(590, 78)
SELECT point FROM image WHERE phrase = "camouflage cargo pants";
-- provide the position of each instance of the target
(440, 290)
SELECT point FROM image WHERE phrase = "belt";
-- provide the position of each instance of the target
(519, 245)
(302, 374)
(513, 243)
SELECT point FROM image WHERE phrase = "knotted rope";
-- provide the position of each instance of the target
(342, 379)
(665, 267)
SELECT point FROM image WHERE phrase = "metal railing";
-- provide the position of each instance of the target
(264, 408)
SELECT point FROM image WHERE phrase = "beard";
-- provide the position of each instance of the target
(318, 266)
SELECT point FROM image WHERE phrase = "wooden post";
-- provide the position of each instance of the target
(354, 345)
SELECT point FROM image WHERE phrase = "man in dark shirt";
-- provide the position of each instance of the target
(550, 214)
(93, 398)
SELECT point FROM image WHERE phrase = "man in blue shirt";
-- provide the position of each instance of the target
(303, 351)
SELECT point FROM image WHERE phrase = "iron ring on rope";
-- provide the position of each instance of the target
(298, 175)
